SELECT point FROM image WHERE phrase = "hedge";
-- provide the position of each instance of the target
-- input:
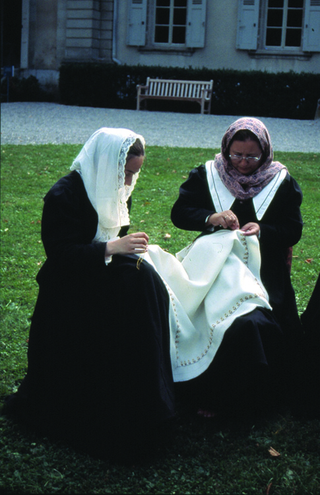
(25, 89)
(283, 95)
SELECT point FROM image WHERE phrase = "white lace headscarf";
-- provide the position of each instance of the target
(101, 164)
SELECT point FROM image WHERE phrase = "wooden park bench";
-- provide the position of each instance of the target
(172, 89)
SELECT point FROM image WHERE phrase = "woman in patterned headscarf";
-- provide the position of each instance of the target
(99, 372)
(244, 188)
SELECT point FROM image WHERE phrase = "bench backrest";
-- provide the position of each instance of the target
(176, 88)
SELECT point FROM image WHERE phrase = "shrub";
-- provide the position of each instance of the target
(283, 95)
(24, 89)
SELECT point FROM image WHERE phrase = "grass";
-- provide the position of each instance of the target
(203, 457)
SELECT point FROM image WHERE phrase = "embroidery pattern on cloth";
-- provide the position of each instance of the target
(210, 283)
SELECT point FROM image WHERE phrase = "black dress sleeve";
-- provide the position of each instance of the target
(281, 226)
(69, 224)
(194, 203)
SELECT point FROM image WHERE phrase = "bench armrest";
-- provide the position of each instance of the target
(141, 89)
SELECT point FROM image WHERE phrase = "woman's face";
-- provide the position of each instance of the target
(240, 150)
(133, 166)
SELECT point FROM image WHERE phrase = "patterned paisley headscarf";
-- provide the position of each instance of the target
(247, 186)
(101, 164)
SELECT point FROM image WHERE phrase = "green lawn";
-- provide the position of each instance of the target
(204, 457)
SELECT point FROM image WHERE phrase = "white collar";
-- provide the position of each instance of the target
(223, 199)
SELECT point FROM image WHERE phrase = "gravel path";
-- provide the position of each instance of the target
(40, 123)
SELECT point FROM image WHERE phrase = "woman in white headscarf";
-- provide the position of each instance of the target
(99, 372)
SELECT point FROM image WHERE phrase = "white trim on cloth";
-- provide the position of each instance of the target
(223, 199)
(210, 283)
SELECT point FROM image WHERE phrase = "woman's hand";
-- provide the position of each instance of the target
(129, 244)
(226, 219)
(251, 228)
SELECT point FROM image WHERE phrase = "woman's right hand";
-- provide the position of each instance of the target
(226, 219)
(129, 244)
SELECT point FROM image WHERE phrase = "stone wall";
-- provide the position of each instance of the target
(55, 31)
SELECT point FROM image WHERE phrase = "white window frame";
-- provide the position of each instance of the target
(170, 25)
(284, 27)
(141, 26)
(251, 29)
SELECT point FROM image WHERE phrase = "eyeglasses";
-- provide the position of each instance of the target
(249, 159)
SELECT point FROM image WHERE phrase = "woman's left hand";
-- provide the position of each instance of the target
(129, 244)
(251, 228)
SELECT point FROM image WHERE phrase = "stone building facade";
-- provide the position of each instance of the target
(265, 35)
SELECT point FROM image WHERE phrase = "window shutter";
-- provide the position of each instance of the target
(196, 23)
(137, 19)
(247, 28)
(311, 29)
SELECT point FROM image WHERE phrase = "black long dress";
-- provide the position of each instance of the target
(258, 352)
(308, 400)
(99, 372)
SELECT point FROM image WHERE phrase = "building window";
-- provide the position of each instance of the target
(284, 23)
(170, 21)
(166, 24)
(279, 26)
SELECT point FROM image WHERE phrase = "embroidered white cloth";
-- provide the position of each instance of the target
(211, 282)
